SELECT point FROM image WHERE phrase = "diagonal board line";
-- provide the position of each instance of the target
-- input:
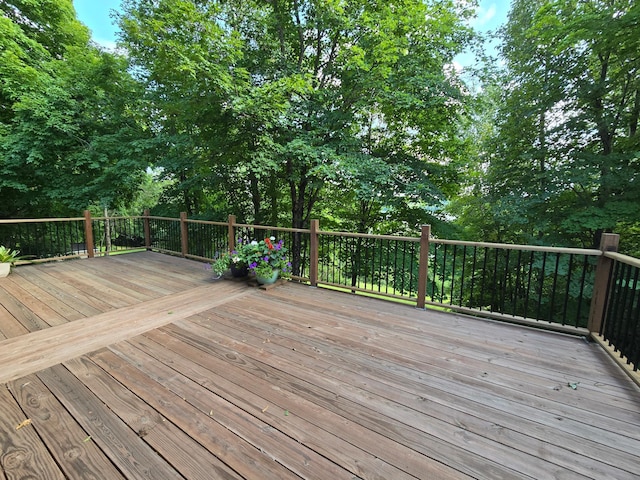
(35, 351)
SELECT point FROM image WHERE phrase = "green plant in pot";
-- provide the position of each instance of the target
(267, 259)
(7, 259)
(225, 261)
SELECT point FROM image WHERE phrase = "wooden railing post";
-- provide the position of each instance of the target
(147, 229)
(608, 243)
(184, 240)
(88, 233)
(423, 265)
(313, 253)
(232, 232)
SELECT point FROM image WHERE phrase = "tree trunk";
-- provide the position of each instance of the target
(256, 199)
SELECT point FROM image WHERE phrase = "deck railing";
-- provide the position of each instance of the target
(620, 328)
(581, 291)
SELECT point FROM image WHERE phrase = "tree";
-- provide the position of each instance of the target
(278, 102)
(563, 166)
(70, 135)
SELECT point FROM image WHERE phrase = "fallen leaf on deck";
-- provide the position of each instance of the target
(265, 409)
(574, 386)
(86, 439)
(24, 424)
(286, 413)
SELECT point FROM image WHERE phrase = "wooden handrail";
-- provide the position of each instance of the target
(40, 220)
(529, 248)
(268, 227)
(619, 257)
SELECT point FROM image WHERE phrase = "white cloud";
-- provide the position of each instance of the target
(485, 15)
(108, 45)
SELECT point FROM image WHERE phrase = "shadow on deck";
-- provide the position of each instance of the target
(140, 366)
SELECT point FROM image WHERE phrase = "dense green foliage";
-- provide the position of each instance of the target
(279, 111)
(562, 164)
(69, 137)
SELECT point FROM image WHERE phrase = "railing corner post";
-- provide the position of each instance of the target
(423, 265)
(313, 253)
(184, 240)
(232, 232)
(608, 243)
(147, 229)
(88, 233)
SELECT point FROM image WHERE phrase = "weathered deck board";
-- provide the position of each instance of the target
(395, 391)
(44, 348)
(22, 453)
(402, 419)
(269, 404)
(231, 433)
(73, 448)
(121, 445)
(162, 373)
(164, 437)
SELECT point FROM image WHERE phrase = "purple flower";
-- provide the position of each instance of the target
(266, 259)
(253, 266)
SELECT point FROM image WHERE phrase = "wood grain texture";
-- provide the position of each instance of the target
(121, 445)
(163, 436)
(70, 445)
(29, 353)
(22, 455)
(168, 374)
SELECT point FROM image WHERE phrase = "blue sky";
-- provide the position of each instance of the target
(95, 15)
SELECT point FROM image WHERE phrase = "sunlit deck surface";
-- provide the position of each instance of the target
(141, 366)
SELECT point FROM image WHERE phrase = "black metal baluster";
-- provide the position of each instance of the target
(542, 279)
(462, 276)
(387, 263)
(444, 272)
(404, 266)
(484, 273)
(567, 292)
(433, 272)
(628, 327)
(453, 274)
(473, 275)
(414, 267)
(552, 303)
(515, 294)
(505, 282)
(528, 291)
(585, 267)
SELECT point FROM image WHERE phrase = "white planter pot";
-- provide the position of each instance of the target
(5, 268)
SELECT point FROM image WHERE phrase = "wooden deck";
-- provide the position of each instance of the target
(139, 366)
